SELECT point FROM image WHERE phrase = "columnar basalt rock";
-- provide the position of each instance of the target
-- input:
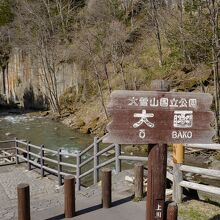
(24, 83)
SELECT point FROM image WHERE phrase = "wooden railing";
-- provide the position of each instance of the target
(179, 182)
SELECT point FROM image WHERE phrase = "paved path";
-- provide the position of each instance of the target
(90, 209)
(88, 204)
(47, 198)
(44, 192)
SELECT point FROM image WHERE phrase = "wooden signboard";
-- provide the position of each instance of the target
(142, 117)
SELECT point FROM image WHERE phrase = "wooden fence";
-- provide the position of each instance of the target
(178, 170)
(36, 156)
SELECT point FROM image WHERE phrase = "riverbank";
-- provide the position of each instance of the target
(87, 117)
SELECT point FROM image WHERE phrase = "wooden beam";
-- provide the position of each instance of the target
(204, 146)
(202, 171)
(201, 187)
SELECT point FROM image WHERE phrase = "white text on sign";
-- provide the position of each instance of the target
(163, 102)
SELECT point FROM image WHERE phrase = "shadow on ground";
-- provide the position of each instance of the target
(216, 217)
(94, 208)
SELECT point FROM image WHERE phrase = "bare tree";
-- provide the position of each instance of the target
(154, 13)
(44, 34)
(87, 49)
(213, 8)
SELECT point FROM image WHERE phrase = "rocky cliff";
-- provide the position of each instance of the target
(24, 83)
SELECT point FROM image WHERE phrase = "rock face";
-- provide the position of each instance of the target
(24, 83)
(88, 128)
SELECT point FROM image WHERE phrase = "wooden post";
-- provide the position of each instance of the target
(69, 196)
(178, 158)
(178, 153)
(106, 187)
(78, 173)
(59, 167)
(157, 165)
(96, 161)
(16, 152)
(23, 194)
(172, 211)
(177, 178)
(28, 156)
(3, 154)
(156, 185)
(138, 180)
(117, 160)
(42, 160)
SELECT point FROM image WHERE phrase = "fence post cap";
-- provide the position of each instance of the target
(172, 204)
(106, 170)
(139, 164)
(68, 177)
(22, 185)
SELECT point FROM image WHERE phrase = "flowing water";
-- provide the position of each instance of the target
(40, 130)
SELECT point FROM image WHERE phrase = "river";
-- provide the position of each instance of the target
(41, 130)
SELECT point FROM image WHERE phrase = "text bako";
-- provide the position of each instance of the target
(181, 134)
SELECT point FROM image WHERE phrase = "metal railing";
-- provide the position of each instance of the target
(7, 155)
(37, 156)
(95, 159)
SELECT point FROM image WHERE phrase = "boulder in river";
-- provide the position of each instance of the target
(8, 134)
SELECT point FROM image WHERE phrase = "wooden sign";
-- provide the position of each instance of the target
(141, 117)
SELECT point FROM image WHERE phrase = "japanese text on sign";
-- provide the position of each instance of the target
(166, 117)
(163, 102)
